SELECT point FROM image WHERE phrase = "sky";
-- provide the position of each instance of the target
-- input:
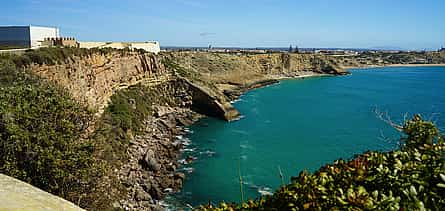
(407, 24)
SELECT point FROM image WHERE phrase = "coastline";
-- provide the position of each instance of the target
(237, 91)
(394, 65)
(234, 95)
(234, 92)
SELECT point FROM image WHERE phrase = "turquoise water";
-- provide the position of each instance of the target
(303, 124)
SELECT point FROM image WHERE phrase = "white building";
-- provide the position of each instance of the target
(149, 46)
(26, 36)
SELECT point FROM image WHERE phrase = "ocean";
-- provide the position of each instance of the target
(301, 125)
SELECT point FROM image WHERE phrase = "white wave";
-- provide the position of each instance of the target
(241, 132)
(239, 118)
(182, 161)
(208, 153)
(265, 191)
(245, 146)
(189, 150)
(237, 100)
(188, 170)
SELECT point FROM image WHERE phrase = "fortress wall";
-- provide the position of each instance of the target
(152, 47)
(91, 44)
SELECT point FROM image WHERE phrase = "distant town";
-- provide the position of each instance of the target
(32, 37)
(291, 49)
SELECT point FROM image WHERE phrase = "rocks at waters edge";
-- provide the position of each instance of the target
(151, 173)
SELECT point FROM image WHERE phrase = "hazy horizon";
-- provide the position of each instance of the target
(407, 25)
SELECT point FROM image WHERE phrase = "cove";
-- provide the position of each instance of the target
(304, 124)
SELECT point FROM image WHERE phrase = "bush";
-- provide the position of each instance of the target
(412, 178)
(40, 127)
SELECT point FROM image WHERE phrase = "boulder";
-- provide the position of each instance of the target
(150, 161)
(142, 196)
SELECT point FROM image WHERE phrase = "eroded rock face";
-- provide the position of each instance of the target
(92, 80)
(210, 104)
(18, 195)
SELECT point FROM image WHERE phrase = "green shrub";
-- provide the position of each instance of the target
(412, 178)
(40, 127)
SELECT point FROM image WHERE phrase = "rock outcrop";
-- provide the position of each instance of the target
(93, 80)
(210, 104)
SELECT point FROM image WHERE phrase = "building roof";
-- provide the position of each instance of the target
(11, 26)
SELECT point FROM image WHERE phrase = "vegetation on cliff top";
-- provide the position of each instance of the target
(43, 133)
(40, 134)
(52, 56)
(411, 178)
(44, 136)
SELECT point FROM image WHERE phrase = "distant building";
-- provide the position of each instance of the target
(151, 46)
(60, 42)
(26, 36)
(442, 49)
(39, 36)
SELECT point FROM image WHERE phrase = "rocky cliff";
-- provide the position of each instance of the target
(92, 80)
(142, 100)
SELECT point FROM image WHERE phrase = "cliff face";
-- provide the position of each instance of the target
(92, 80)
(244, 69)
(232, 74)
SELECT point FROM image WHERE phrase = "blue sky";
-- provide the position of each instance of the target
(410, 24)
